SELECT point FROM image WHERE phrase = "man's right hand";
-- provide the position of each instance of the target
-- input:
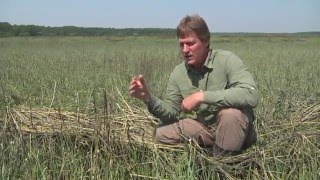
(138, 89)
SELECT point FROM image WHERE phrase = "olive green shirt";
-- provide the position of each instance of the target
(225, 81)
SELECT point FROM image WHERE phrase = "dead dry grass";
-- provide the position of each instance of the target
(134, 124)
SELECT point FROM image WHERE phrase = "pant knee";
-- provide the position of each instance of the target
(157, 135)
(233, 118)
(183, 131)
(232, 129)
(164, 136)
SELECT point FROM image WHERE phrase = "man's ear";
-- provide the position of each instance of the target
(208, 44)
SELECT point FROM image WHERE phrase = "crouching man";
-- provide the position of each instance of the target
(209, 97)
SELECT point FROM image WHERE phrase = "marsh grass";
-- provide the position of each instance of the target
(65, 112)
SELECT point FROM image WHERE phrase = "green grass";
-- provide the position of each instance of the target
(72, 73)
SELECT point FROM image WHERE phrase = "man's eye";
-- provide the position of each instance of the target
(190, 43)
(187, 43)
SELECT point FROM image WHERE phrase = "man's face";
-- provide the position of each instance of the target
(194, 50)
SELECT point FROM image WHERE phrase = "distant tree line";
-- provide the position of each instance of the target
(6, 29)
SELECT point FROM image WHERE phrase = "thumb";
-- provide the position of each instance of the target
(141, 79)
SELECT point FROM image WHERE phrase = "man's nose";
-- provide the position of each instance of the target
(185, 48)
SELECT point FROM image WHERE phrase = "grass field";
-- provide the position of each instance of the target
(90, 76)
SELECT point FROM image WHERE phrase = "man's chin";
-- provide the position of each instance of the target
(190, 62)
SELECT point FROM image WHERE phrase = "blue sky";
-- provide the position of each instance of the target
(221, 16)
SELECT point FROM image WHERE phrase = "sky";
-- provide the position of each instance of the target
(269, 16)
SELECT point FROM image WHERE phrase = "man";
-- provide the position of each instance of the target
(209, 97)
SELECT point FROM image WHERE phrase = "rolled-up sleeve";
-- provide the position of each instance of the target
(167, 110)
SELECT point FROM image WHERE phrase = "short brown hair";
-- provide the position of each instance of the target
(193, 24)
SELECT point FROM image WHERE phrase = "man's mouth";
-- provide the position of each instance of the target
(188, 57)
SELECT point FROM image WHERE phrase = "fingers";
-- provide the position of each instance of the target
(137, 82)
(185, 109)
(141, 79)
(133, 89)
(133, 80)
(133, 86)
(132, 92)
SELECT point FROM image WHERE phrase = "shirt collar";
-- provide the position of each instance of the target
(207, 64)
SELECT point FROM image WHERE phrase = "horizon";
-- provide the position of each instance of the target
(229, 16)
(164, 28)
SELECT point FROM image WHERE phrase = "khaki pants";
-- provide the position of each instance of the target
(233, 131)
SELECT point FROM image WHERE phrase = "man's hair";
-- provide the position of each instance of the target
(193, 24)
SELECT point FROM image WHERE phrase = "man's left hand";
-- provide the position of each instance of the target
(192, 101)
